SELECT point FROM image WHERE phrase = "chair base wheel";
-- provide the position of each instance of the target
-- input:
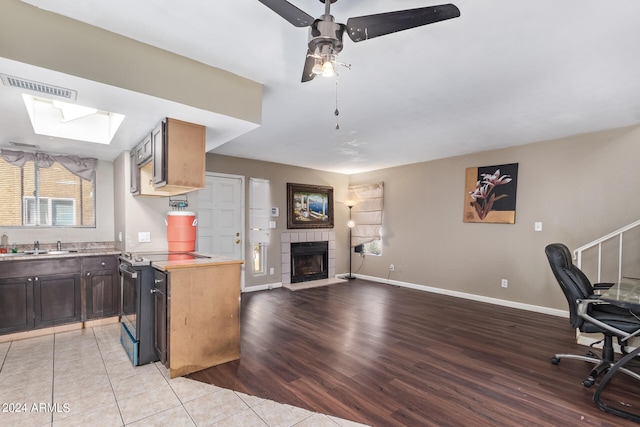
(555, 360)
(589, 382)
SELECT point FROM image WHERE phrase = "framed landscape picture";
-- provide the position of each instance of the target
(309, 206)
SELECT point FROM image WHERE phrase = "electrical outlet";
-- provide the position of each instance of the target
(272, 271)
(392, 267)
(537, 226)
(504, 283)
(144, 237)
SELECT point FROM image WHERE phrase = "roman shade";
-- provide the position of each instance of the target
(367, 213)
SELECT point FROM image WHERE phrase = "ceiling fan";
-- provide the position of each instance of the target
(325, 35)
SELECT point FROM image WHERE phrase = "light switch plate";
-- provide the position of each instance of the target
(537, 226)
(144, 237)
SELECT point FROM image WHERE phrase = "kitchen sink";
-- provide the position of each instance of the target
(38, 252)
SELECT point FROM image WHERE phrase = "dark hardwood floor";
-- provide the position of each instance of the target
(389, 356)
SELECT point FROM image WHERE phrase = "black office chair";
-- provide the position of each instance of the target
(589, 314)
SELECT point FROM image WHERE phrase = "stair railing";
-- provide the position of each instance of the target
(577, 253)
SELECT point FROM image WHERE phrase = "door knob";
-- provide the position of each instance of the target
(237, 240)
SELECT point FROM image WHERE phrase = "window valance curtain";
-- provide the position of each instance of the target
(367, 213)
(85, 167)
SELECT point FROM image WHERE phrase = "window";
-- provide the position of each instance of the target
(49, 211)
(259, 259)
(372, 248)
(367, 216)
(259, 215)
(49, 195)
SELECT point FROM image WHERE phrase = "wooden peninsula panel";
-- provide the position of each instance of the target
(203, 316)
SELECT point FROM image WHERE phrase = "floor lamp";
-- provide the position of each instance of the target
(350, 204)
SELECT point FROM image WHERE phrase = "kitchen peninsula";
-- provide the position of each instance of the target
(202, 313)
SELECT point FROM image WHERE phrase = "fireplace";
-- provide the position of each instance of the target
(309, 261)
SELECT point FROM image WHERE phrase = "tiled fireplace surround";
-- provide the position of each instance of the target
(306, 236)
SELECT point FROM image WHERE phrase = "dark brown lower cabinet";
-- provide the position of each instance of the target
(56, 299)
(160, 309)
(103, 294)
(16, 305)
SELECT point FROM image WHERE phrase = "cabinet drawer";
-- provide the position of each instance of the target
(100, 263)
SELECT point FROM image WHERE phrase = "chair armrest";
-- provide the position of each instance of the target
(602, 286)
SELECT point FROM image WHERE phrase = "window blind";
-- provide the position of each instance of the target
(259, 211)
(367, 213)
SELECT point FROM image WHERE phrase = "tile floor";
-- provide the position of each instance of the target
(84, 378)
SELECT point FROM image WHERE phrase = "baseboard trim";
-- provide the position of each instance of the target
(480, 298)
(264, 287)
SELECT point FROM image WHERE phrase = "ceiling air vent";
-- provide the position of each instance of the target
(23, 145)
(38, 87)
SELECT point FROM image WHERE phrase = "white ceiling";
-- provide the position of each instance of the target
(504, 73)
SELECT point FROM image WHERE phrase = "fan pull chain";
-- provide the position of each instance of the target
(337, 113)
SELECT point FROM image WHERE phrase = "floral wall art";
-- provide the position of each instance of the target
(490, 194)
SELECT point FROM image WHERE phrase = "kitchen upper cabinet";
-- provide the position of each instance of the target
(101, 285)
(158, 139)
(135, 175)
(178, 160)
(16, 305)
(144, 151)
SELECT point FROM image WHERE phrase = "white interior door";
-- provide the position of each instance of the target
(221, 216)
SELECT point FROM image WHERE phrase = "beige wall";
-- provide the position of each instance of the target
(581, 188)
(136, 214)
(279, 175)
(51, 41)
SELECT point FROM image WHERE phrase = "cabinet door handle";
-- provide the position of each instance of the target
(158, 281)
(88, 274)
(29, 279)
(103, 263)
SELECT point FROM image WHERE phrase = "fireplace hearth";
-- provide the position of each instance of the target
(309, 261)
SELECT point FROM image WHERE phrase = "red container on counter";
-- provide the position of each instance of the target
(181, 231)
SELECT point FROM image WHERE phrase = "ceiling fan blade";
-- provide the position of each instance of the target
(307, 73)
(367, 27)
(291, 13)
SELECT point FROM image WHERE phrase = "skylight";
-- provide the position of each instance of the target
(71, 121)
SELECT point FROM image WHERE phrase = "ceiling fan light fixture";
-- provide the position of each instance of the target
(327, 69)
(317, 68)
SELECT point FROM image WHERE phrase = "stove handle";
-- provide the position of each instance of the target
(125, 269)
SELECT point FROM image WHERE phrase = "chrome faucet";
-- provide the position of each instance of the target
(36, 245)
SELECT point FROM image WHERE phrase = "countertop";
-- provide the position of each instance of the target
(20, 256)
(198, 262)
